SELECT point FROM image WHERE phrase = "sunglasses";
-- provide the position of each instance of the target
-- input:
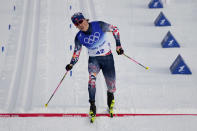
(78, 22)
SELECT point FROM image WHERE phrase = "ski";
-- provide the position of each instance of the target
(92, 118)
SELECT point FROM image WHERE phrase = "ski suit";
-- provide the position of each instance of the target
(100, 55)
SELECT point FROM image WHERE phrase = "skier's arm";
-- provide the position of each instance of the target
(114, 29)
(76, 53)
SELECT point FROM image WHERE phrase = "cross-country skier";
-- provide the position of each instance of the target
(92, 35)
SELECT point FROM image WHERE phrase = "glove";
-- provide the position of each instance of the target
(120, 51)
(69, 67)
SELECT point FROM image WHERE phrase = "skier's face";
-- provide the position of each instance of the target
(82, 25)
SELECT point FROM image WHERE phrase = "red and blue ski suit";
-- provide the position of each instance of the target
(100, 55)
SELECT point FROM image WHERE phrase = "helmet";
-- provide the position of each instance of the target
(76, 17)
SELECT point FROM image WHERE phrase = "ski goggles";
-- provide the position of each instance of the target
(78, 22)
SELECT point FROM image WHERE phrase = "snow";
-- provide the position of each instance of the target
(105, 124)
(37, 49)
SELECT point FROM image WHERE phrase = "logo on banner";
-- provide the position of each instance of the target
(179, 66)
(155, 4)
(169, 41)
(161, 20)
(92, 38)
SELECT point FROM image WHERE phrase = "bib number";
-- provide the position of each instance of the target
(100, 51)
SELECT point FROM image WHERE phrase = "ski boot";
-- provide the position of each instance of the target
(92, 112)
(110, 103)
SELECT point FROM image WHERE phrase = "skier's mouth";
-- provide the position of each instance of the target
(81, 27)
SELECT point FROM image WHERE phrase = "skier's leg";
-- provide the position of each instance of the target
(110, 78)
(92, 92)
(93, 69)
(109, 73)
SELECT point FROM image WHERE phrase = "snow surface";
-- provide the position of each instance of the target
(37, 49)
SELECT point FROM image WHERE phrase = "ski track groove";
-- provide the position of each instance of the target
(20, 94)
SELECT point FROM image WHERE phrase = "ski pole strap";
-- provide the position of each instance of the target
(136, 62)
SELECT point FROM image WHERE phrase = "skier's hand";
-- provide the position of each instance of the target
(119, 50)
(69, 67)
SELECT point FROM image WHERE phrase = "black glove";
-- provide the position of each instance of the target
(120, 51)
(69, 67)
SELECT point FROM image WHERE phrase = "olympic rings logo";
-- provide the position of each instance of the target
(92, 38)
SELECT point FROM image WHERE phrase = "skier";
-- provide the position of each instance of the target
(92, 35)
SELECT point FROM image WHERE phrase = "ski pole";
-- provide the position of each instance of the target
(136, 62)
(56, 89)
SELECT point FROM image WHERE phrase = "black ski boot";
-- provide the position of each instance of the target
(110, 103)
(92, 112)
